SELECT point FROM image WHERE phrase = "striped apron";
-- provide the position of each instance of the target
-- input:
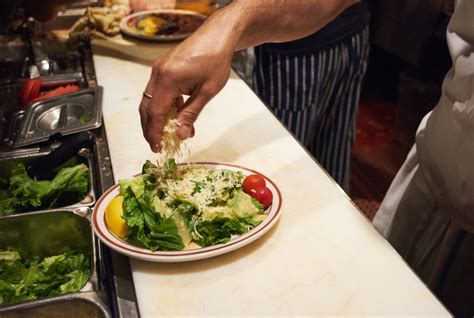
(316, 97)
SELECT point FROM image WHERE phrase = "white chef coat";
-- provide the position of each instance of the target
(428, 212)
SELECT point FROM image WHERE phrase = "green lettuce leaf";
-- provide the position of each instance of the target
(146, 226)
(149, 168)
(9, 256)
(6, 204)
(76, 280)
(220, 230)
(28, 193)
(38, 277)
(170, 167)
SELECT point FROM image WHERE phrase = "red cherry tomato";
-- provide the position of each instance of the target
(252, 183)
(264, 196)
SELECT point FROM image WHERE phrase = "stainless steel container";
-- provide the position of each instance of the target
(65, 115)
(110, 289)
(84, 156)
(83, 305)
(47, 233)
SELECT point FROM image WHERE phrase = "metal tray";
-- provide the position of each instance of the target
(15, 126)
(63, 79)
(47, 233)
(87, 305)
(64, 115)
(84, 155)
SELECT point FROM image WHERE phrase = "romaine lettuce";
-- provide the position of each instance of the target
(169, 207)
(146, 226)
(220, 231)
(36, 277)
(33, 194)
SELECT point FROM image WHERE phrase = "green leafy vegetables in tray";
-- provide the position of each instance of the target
(36, 277)
(22, 193)
(176, 207)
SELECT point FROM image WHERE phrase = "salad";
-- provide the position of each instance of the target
(174, 207)
(21, 193)
(37, 277)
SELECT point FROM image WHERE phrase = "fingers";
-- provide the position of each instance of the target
(190, 111)
(157, 112)
(167, 84)
(179, 103)
(153, 111)
(144, 114)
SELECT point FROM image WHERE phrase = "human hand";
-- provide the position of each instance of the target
(198, 67)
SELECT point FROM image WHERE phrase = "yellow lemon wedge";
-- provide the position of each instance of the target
(113, 217)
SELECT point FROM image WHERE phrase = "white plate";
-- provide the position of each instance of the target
(125, 28)
(123, 247)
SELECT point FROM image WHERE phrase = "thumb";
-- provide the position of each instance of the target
(190, 112)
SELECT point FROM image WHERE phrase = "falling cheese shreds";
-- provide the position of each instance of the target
(171, 144)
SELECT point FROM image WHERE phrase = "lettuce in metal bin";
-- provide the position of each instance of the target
(24, 193)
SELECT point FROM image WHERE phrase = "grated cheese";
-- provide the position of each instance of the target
(202, 186)
(170, 142)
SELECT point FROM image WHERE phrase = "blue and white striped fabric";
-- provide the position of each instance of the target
(316, 96)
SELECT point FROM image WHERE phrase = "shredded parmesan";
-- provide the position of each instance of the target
(201, 186)
(171, 145)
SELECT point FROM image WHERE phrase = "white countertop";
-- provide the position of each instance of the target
(323, 257)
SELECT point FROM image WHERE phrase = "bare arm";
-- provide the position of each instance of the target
(284, 20)
(200, 65)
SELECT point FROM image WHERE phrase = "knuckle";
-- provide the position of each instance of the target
(188, 116)
(220, 83)
(157, 65)
(168, 75)
(208, 91)
(164, 71)
(212, 88)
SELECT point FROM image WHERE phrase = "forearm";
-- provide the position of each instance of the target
(246, 23)
(200, 65)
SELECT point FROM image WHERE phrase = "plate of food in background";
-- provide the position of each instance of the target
(185, 212)
(162, 25)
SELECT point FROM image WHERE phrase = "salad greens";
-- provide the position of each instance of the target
(171, 207)
(36, 277)
(25, 193)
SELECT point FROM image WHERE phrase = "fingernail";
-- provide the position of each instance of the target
(155, 148)
(184, 132)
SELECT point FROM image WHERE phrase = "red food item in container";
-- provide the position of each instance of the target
(58, 91)
(29, 90)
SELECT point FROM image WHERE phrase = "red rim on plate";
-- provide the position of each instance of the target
(123, 247)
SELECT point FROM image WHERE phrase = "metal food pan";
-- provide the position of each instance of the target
(62, 79)
(84, 305)
(63, 115)
(84, 156)
(51, 232)
(14, 127)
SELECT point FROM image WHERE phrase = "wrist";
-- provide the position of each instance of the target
(228, 25)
